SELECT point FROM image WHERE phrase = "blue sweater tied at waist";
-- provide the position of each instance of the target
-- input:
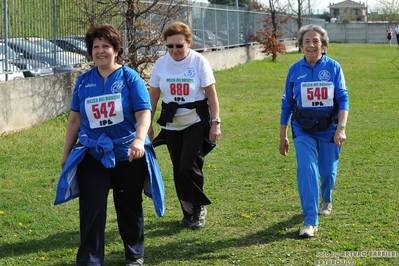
(109, 151)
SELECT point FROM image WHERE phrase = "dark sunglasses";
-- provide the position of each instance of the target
(170, 46)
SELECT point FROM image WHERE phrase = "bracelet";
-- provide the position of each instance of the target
(342, 125)
(217, 120)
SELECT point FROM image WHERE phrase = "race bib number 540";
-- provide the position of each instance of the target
(317, 94)
(104, 110)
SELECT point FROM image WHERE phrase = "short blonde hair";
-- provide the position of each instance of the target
(179, 27)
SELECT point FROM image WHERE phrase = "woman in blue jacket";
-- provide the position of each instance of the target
(316, 101)
(110, 115)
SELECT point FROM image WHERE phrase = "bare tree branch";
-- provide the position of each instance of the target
(141, 23)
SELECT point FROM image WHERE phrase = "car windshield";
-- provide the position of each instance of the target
(30, 46)
(211, 35)
(77, 43)
(49, 46)
(4, 49)
(222, 34)
(80, 38)
(197, 39)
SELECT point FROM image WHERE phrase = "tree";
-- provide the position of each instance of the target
(269, 34)
(347, 15)
(144, 25)
(388, 10)
(298, 10)
(141, 23)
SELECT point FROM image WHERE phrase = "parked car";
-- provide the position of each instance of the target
(30, 67)
(52, 47)
(221, 38)
(149, 43)
(209, 37)
(199, 47)
(233, 41)
(9, 71)
(34, 51)
(72, 44)
(77, 37)
(211, 45)
(224, 35)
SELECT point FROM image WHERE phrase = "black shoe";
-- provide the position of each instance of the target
(186, 221)
(135, 262)
(198, 218)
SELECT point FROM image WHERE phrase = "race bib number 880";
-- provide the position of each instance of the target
(179, 90)
(317, 94)
(104, 110)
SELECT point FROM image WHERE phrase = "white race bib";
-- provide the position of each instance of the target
(317, 94)
(179, 90)
(104, 110)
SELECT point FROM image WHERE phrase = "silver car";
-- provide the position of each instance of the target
(9, 71)
(30, 67)
(58, 62)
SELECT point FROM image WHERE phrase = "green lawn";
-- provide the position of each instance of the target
(256, 213)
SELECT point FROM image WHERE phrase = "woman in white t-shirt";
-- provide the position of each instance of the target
(396, 30)
(189, 120)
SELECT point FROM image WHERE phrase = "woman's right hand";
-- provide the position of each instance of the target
(284, 146)
(284, 142)
(63, 161)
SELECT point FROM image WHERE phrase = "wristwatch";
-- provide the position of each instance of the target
(342, 125)
(217, 120)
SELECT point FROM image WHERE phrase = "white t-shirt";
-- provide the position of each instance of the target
(182, 81)
(396, 30)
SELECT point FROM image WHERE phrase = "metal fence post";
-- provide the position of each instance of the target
(5, 29)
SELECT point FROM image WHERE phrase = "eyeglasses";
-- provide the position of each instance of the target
(171, 46)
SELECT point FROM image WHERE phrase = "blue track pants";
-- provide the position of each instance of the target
(315, 159)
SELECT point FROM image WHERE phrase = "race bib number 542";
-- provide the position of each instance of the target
(104, 110)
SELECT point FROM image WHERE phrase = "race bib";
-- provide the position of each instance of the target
(179, 90)
(317, 94)
(104, 110)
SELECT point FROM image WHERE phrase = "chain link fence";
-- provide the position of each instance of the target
(46, 37)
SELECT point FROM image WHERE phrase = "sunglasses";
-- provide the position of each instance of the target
(171, 46)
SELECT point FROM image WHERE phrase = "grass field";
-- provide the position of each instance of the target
(256, 214)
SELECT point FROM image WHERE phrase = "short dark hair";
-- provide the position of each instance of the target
(179, 27)
(108, 32)
(311, 27)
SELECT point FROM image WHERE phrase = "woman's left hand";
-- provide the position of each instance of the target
(214, 133)
(136, 149)
(339, 136)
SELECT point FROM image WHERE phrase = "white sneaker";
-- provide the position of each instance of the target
(325, 208)
(308, 231)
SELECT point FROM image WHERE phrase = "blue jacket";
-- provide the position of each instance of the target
(67, 188)
(301, 74)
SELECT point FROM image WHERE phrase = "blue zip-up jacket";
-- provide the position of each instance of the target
(108, 128)
(316, 89)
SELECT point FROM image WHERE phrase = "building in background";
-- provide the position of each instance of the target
(346, 11)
